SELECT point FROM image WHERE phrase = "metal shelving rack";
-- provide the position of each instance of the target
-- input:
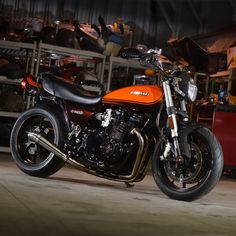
(19, 46)
(36, 52)
(121, 62)
(5, 80)
(97, 58)
(29, 52)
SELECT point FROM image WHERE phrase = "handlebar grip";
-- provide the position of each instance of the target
(132, 53)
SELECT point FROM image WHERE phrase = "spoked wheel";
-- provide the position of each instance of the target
(191, 177)
(29, 156)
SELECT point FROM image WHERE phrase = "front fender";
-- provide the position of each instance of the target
(185, 128)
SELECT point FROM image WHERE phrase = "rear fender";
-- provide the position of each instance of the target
(58, 110)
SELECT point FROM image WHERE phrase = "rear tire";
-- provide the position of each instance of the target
(29, 156)
(199, 173)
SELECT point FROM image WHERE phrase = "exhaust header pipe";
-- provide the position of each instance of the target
(39, 139)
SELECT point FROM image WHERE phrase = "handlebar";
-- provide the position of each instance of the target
(132, 53)
(151, 59)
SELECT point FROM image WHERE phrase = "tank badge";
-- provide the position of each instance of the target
(139, 93)
(77, 112)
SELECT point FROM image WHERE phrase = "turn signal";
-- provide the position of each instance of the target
(171, 122)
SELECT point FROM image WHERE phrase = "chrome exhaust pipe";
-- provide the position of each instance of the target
(36, 137)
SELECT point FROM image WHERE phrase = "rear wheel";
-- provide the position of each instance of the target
(30, 157)
(196, 175)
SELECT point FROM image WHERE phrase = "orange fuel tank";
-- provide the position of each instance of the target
(137, 94)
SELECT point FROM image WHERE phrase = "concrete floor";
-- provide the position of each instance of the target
(74, 203)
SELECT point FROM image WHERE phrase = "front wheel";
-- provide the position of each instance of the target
(197, 174)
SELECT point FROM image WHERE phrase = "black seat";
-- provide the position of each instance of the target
(59, 87)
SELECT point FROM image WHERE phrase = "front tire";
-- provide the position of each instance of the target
(197, 175)
(30, 157)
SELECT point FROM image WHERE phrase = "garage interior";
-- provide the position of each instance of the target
(39, 36)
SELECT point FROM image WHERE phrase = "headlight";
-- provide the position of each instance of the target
(192, 91)
(185, 87)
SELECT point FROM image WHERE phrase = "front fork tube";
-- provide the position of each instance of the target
(171, 117)
(184, 110)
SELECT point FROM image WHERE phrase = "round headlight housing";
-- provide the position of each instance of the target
(192, 90)
(186, 87)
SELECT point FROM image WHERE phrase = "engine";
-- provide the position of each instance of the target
(106, 142)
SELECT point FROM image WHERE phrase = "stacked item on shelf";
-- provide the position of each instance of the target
(16, 59)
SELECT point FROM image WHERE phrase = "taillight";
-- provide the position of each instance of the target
(23, 83)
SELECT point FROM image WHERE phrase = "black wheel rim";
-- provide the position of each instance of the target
(194, 171)
(30, 153)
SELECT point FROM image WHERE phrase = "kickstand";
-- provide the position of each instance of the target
(129, 185)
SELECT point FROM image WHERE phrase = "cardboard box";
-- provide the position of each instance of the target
(231, 57)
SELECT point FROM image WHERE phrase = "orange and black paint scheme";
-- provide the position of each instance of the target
(145, 96)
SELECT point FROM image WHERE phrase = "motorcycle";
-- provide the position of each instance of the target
(118, 135)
